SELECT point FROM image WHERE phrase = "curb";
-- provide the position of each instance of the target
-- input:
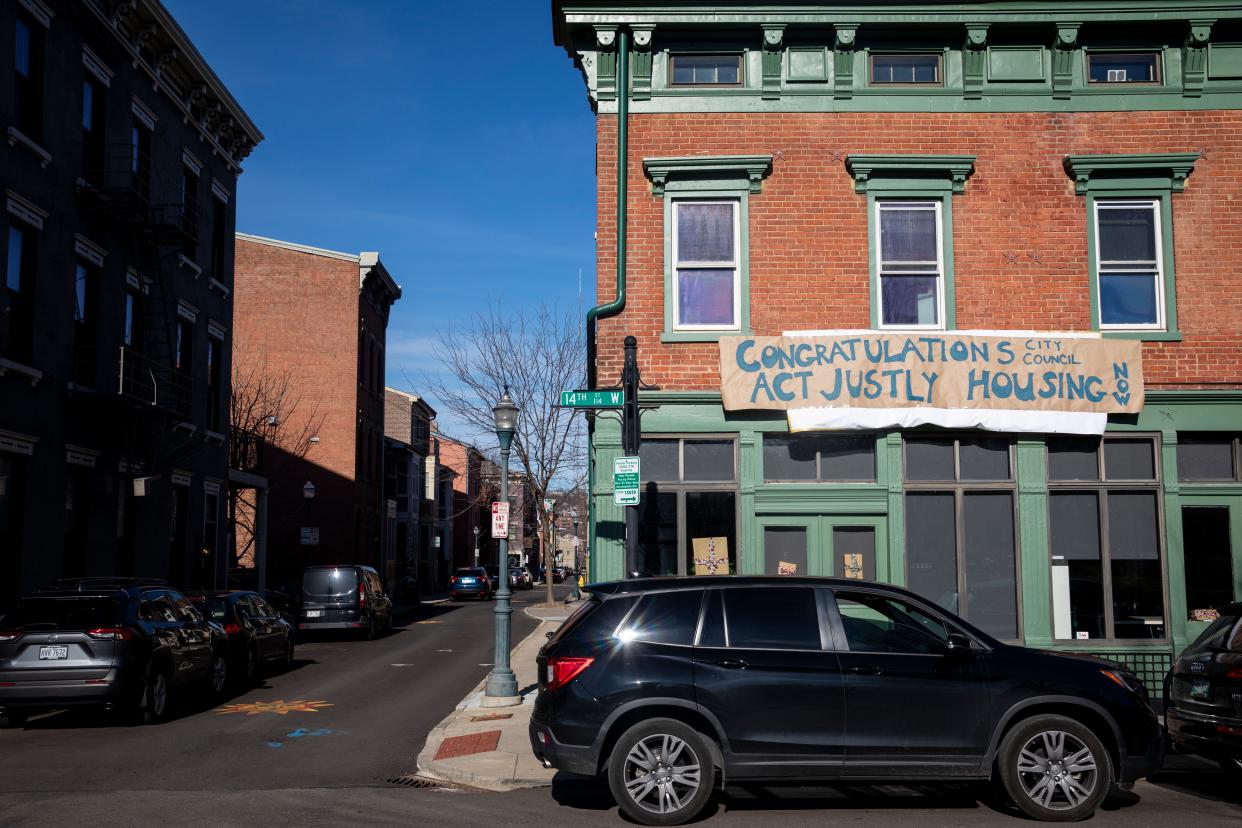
(429, 767)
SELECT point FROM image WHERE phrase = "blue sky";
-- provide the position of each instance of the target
(452, 137)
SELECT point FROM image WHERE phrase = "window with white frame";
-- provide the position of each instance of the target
(1129, 264)
(910, 263)
(706, 283)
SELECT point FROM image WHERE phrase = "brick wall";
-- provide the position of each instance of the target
(808, 228)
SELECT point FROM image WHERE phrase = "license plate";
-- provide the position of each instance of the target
(52, 653)
(314, 613)
(1200, 689)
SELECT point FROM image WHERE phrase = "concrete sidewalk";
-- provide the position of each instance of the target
(489, 747)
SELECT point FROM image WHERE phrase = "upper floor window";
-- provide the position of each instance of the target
(215, 383)
(189, 212)
(28, 77)
(93, 109)
(140, 158)
(706, 284)
(910, 263)
(219, 238)
(17, 301)
(906, 69)
(1209, 457)
(1129, 263)
(184, 347)
(705, 70)
(1129, 67)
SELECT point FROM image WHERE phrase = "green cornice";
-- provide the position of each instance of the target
(750, 168)
(1089, 171)
(936, 172)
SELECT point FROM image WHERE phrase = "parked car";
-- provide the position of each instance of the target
(1203, 694)
(524, 579)
(344, 597)
(285, 602)
(558, 575)
(493, 574)
(669, 686)
(127, 644)
(471, 582)
(257, 635)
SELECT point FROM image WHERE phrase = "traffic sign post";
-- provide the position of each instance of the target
(500, 520)
(625, 481)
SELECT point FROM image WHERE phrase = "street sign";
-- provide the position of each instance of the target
(592, 399)
(500, 520)
(548, 504)
(310, 536)
(625, 481)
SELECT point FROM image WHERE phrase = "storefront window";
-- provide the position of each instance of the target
(819, 457)
(1208, 457)
(688, 508)
(1104, 527)
(961, 549)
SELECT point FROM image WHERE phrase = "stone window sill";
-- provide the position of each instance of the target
(9, 366)
(16, 136)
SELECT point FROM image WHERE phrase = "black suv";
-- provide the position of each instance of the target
(1203, 694)
(345, 597)
(672, 686)
(120, 643)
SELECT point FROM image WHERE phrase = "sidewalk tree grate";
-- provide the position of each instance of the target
(468, 745)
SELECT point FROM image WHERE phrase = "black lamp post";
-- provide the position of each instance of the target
(501, 689)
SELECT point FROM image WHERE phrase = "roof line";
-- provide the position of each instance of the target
(300, 248)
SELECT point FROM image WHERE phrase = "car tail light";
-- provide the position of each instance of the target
(362, 595)
(111, 633)
(1235, 673)
(231, 628)
(10, 635)
(563, 670)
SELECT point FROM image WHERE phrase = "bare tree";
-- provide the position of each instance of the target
(265, 410)
(536, 354)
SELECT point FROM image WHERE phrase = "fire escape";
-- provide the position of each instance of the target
(147, 401)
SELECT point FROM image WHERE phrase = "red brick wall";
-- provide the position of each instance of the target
(298, 312)
(808, 229)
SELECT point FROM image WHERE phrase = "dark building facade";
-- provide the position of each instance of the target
(119, 171)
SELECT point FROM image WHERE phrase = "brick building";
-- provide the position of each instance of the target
(119, 170)
(408, 455)
(467, 515)
(321, 317)
(872, 170)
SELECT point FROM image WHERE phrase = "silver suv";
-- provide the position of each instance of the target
(126, 644)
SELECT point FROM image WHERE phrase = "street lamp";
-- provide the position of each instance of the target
(501, 689)
(476, 545)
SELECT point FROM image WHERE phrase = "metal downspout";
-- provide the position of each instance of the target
(618, 304)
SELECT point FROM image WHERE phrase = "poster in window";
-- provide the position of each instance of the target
(786, 568)
(852, 566)
(711, 556)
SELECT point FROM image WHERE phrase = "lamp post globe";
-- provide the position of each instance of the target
(501, 689)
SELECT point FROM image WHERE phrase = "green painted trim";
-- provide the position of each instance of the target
(671, 193)
(716, 168)
(932, 173)
(1096, 190)
(942, 195)
(1035, 557)
(1099, 172)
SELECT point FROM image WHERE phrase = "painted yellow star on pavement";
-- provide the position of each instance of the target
(279, 706)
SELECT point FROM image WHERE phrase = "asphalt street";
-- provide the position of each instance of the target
(373, 704)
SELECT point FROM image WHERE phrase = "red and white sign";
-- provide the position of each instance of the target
(500, 520)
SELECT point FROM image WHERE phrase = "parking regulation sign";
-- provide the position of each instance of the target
(625, 481)
(500, 520)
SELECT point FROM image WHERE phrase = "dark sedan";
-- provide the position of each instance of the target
(471, 582)
(1203, 694)
(257, 635)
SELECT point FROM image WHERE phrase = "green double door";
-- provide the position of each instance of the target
(1211, 555)
(842, 546)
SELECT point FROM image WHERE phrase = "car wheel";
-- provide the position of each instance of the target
(156, 696)
(661, 772)
(219, 674)
(12, 719)
(1054, 769)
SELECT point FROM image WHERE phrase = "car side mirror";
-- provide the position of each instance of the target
(958, 644)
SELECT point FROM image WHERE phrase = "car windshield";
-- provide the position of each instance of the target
(213, 608)
(329, 582)
(62, 614)
(1224, 634)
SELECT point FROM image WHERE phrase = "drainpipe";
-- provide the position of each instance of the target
(618, 304)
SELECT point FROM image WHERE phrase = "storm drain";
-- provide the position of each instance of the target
(415, 781)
